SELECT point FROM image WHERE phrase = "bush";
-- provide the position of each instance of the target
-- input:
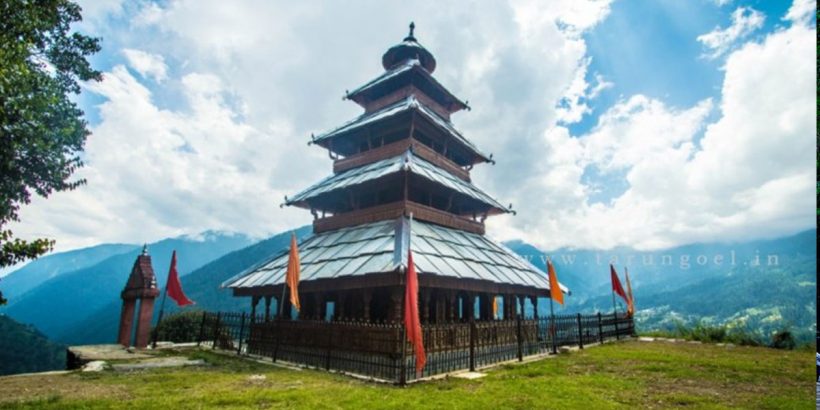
(182, 327)
(783, 339)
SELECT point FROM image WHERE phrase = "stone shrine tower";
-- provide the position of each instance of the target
(142, 285)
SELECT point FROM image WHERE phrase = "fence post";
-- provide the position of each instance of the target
(518, 336)
(329, 346)
(472, 345)
(277, 329)
(580, 333)
(201, 328)
(403, 365)
(553, 334)
(241, 331)
(216, 329)
(617, 333)
(600, 329)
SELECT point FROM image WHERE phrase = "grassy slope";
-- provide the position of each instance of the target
(625, 375)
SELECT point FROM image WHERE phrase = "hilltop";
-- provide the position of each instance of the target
(626, 375)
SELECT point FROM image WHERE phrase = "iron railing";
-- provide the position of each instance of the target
(376, 350)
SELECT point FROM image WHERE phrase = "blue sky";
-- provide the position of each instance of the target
(614, 123)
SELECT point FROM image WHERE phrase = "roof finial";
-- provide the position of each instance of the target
(410, 36)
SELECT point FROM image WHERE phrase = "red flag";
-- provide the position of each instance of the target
(616, 284)
(412, 324)
(173, 288)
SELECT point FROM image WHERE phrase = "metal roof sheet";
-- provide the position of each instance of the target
(370, 248)
(407, 161)
(409, 103)
(409, 65)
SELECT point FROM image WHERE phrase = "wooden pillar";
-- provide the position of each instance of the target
(452, 305)
(484, 307)
(254, 302)
(317, 306)
(534, 300)
(425, 305)
(267, 308)
(395, 311)
(367, 297)
(521, 304)
(340, 305)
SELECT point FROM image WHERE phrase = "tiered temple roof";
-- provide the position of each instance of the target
(402, 157)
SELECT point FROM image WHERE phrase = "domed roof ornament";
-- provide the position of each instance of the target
(410, 36)
(409, 49)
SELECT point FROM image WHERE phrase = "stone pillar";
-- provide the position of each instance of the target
(141, 286)
(126, 322)
(144, 317)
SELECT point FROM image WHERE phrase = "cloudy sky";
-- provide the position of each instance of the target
(645, 123)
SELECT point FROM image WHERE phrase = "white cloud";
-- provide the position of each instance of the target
(749, 174)
(745, 20)
(801, 12)
(146, 64)
(223, 139)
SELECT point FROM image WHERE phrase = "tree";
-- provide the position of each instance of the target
(42, 131)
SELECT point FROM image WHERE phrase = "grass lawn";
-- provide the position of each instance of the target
(620, 375)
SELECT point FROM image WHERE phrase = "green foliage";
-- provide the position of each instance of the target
(24, 349)
(42, 131)
(179, 327)
(783, 339)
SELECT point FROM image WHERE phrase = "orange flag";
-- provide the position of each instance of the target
(630, 303)
(292, 276)
(412, 324)
(495, 307)
(555, 288)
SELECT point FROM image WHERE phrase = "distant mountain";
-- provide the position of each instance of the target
(23, 349)
(761, 286)
(47, 267)
(57, 306)
(201, 286)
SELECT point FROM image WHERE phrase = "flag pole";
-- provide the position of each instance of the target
(552, 329)
(281, 304)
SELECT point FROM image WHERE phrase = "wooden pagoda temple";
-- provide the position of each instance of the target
(401, 157)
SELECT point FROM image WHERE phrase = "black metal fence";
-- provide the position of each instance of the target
(381, 351)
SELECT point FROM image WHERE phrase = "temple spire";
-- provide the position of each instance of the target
(410, 36)
(408, 49)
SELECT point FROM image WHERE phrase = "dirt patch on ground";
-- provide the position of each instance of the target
(66, 386)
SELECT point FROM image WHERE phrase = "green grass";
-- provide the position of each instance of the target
(621, 375)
